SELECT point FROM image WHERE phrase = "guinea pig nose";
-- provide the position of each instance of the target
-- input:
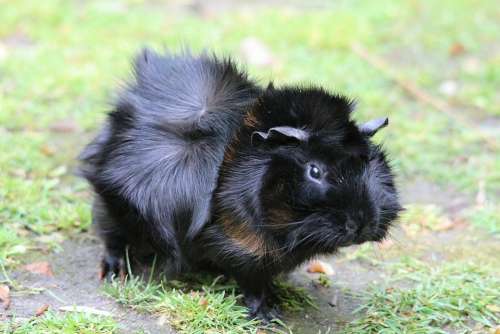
(365, 232)
(351, 226)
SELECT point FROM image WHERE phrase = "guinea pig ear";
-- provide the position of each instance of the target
(280, 135)
(270, 86)
(371, 127)
(355, 143)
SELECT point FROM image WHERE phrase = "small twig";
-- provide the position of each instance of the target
(152, 271)
(53, 295)
(416, 92)
(85, 309)
(127, 260)
(4, 273)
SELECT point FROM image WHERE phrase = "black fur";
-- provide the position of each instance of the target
(155, 163)
(200, 165)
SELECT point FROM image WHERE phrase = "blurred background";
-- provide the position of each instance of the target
(432, 67)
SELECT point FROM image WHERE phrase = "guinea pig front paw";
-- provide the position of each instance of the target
(111, 268)
(259, 309)
(265, 314)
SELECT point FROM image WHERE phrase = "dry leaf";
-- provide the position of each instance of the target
(386, 244)
(47, 150)
(203, 302)
(162, 320)
(64, 126)
(497, 331)
(457, 49)
(85, 309)
(445, 225)
(41, 310)
(493, 308)
(5, 296)
(460, 223)
(42, 268)
(481, 195)
(318, 266)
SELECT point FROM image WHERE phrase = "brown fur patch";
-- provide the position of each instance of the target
(250, 120)
(279, 218)
(243, 236)
(230, 152)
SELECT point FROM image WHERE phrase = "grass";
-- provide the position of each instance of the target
(487, 217)
(60, 62)
(10, 244)
(419, 218)
(38, 193)
(207, 311)
(459, 298)
(71, 323)
(200, 306)
(195, 311)
(291, 298)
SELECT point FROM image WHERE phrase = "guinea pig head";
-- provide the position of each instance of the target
(326, 184)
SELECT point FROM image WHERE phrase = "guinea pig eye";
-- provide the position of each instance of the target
(314, 172)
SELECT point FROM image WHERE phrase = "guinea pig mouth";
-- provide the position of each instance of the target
(374, 234)
(350, 240)
(359, 233)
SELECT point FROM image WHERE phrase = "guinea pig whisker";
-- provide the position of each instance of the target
(397, 240)
(297, 243)
(306, 238)
(280, 225)
(327, 240)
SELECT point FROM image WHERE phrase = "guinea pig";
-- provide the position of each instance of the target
(202, 166)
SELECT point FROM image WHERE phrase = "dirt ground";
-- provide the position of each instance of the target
(75, 282)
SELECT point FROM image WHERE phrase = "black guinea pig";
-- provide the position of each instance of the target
(198, 164)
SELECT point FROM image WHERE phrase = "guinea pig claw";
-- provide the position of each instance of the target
(273, 313)
(111, 268)
(259, 309)
(265, 314)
